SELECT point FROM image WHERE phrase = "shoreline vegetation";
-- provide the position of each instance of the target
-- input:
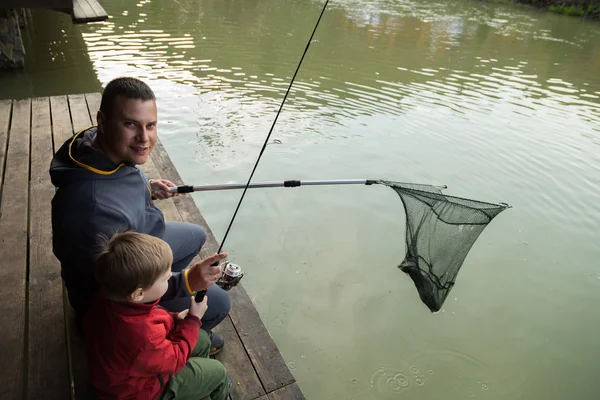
(579, 8)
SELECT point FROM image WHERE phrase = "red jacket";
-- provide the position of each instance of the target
(132, 349)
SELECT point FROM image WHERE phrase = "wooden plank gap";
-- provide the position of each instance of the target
(48, 366)
(93, 101)
(99, 11)
(27, 267)
(5, 116)
(62, 128)
(80, 115)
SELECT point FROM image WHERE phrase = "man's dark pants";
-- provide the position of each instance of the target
(186, 240)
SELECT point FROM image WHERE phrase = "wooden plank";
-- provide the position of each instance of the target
(79, 112)
(99, 11)
(88, 11)
(245, 384)
(261, 348)
(78, 14)
(5, 109)
(61, 120)
(93, 102)
(289, 392)
(264, 354)
(13, 247)
(48, 368)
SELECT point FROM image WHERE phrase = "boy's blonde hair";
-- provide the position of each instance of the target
(131, 260)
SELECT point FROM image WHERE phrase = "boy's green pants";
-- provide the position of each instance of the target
(201, 376)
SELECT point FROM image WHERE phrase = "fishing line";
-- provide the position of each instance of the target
(272, 126)
(200, 295)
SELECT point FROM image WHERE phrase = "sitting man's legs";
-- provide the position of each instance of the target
(186, 240)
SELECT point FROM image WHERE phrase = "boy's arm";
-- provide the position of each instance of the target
(167, 353)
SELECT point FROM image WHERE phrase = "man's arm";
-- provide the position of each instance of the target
(178, 286)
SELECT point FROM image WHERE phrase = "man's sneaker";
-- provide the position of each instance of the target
(216, 343)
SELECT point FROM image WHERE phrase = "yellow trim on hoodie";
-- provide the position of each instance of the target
(96, 170)
(185, 279)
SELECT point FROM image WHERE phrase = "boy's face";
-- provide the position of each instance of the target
(157, 290)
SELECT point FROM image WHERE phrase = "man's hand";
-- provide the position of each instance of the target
(202, 274)
(160, 188)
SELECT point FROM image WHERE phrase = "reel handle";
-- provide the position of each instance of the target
(200, 295)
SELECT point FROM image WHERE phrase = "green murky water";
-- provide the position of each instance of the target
(499, 102)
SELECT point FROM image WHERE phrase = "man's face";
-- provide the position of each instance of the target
(129, 134)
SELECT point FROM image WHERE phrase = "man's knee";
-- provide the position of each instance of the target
(219, 304)
(198, 234)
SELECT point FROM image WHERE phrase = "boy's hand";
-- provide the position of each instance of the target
(198, 309)
(181, 316)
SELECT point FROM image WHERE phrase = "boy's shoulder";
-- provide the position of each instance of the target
(128, 320)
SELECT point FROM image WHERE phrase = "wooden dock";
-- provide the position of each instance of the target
(87, 11)
(42, 353)
(81, 11)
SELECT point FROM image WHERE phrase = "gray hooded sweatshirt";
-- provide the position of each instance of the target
(96, 197)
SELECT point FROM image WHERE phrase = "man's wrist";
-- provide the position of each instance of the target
(186, 280)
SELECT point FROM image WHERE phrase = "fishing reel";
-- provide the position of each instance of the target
(232, 275)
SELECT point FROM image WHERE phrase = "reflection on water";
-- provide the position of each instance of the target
(500, 102)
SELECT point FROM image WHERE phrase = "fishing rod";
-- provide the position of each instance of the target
(288, 183)
(235, 269)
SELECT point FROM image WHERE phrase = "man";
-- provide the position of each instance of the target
(101, 191)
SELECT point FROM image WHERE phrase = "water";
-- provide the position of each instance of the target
(500, 102)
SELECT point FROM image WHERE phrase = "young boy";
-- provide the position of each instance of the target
(135, 348)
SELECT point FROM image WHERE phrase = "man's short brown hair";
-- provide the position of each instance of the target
(126, 87)
(131, 260)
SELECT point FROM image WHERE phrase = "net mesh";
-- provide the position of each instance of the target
(440, 231)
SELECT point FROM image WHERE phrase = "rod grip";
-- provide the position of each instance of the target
(292, 183)
(185, 189)
(200, 295)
